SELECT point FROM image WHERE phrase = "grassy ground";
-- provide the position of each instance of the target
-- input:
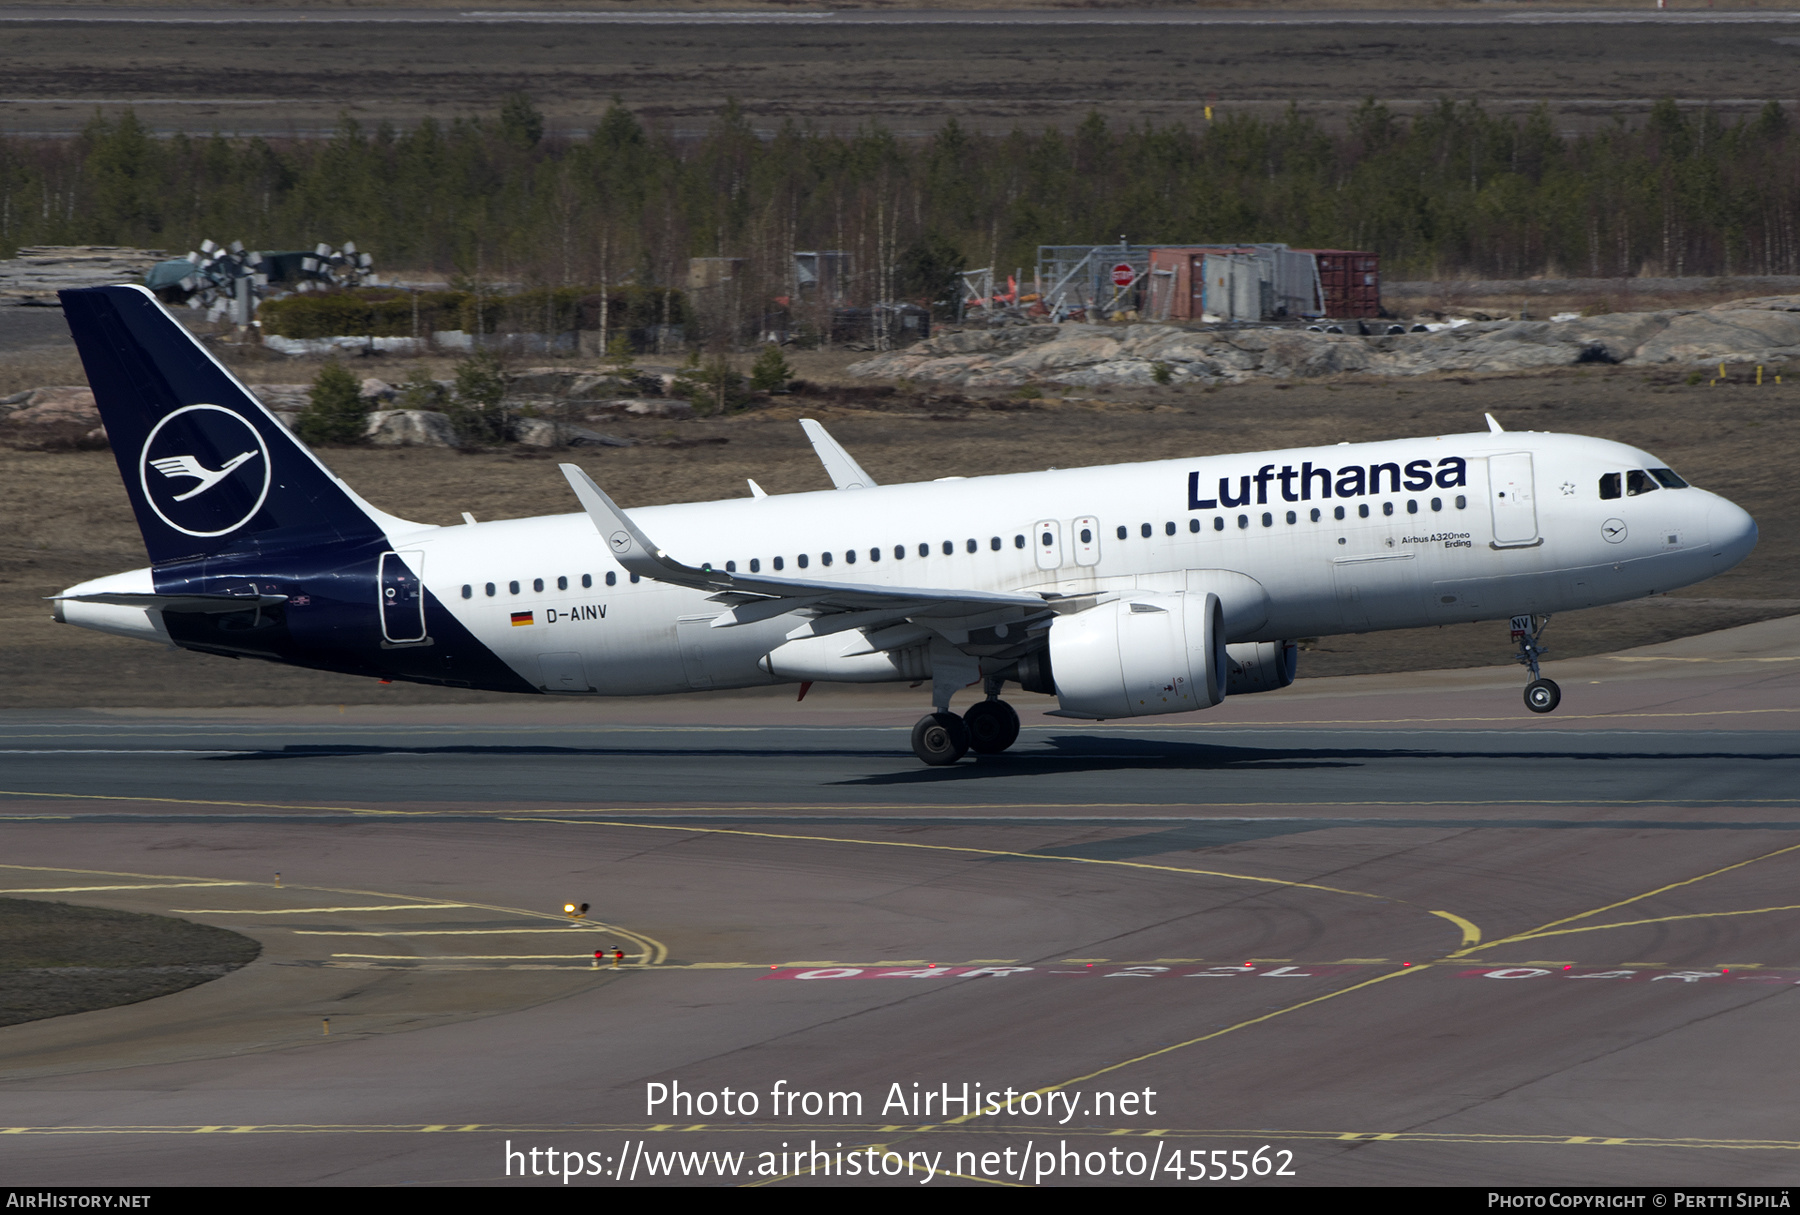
(297, 78)
(65, 516)
(57, 958)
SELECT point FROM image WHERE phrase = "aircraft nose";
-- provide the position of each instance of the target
(1733, 533)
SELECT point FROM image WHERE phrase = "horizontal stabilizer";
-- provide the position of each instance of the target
(212, 604)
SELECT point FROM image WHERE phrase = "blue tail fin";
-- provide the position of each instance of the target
(209, 470)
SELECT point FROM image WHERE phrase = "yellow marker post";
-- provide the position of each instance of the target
(278, 877)
(1209, 113)
(327, 1026)
(1759, 368)
(1721, 371)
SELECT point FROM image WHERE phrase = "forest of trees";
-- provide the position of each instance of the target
(1453, 192)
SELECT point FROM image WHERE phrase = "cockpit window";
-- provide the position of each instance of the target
(1609, 485)
(1637, 481)
(1668, 478)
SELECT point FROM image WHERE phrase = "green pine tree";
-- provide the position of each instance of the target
(478, 401)
(336, 412)
(770, 372)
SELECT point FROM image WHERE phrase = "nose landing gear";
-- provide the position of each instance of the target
(1541, 695)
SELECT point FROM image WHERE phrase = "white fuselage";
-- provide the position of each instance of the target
(1525, 532)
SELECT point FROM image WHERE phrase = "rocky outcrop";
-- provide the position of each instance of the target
(58, 416)
(410, 428)
(542, 432)
(1765, 330)
(635, 407)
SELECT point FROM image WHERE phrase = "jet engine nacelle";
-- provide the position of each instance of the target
(1261, 666)
(1141, 654)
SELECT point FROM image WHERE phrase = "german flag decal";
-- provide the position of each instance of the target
(519, 618)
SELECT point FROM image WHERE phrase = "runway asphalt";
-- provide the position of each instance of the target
(853, 17)
(1393, 929)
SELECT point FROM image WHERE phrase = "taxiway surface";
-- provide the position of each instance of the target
(1390, 926)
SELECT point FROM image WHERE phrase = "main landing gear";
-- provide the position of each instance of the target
(1541, 695)
(988, 728)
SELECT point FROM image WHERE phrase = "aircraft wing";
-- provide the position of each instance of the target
(753, 597)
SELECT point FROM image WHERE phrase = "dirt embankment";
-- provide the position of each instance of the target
(66, 517)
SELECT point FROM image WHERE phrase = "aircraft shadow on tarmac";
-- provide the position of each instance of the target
(1085, 753)
(1057, 755)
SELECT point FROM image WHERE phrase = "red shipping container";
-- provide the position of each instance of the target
(1351, 279)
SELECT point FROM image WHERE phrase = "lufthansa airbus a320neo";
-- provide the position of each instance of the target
(1126, 590)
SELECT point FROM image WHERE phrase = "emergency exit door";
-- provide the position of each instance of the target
(1046, 541)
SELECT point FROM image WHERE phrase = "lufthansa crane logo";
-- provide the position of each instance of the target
(204, 470)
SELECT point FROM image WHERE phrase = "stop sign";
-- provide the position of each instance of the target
(1123, 274)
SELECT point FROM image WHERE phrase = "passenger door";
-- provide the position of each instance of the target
(1514, 502)
(402, 598)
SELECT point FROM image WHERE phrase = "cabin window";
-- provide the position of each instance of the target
(634, 580)
(1387, 508)
(1362, 510)
(1144, 531)
(1193, 526)
(1019, 541)
(1461, 502)
(849, 557)
(1218, 523)
(1315, 514)
(949, 548)
(513, 587)
(468, 591)
(1638, 482)
(994, 544)
(824, 559)
(756, 565)
(800, 560)
(1437, 504)
(778, 563)
(970, 544)
(1243, 521)
(490, 590)
(1168, 529)
(1268, 519)
(1337, 512)
(537, 584)
(874, 554)
(899, 552)
(1292, 517)
(562, 582)
(612, 579)
(1412, 506)
(587, 580)
(1122, 532)
(1668, 478)
(731, 567)
(924, 550)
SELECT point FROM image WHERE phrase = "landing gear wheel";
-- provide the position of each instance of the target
(940, 738)
(993, 726)
(1542, 695)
